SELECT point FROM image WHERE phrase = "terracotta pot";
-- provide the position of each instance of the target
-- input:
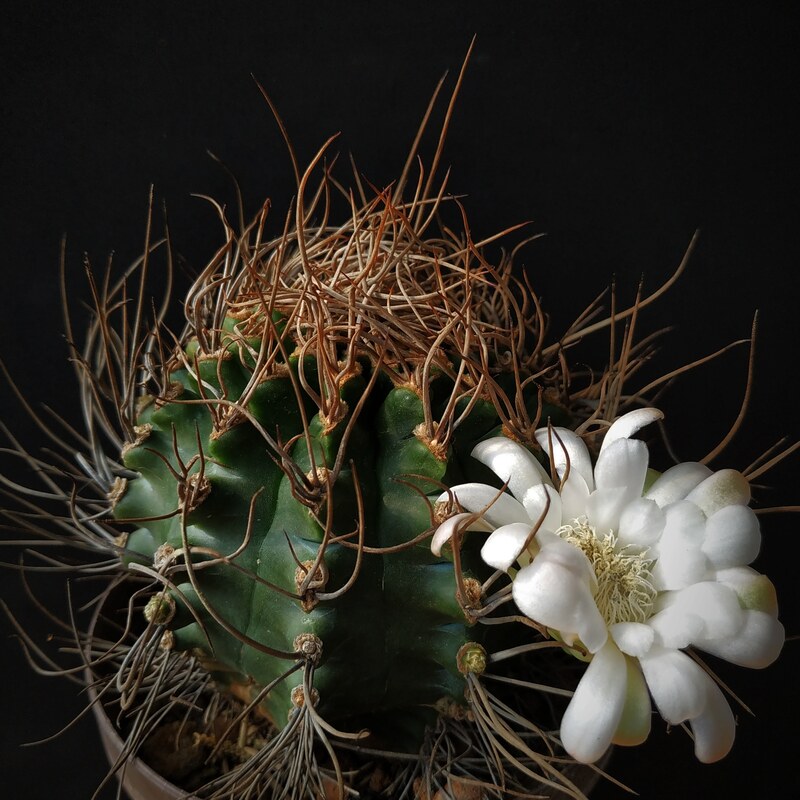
(138, 780)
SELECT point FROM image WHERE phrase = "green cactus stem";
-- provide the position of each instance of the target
(280, 481)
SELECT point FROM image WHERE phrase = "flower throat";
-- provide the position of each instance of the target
(624, 591)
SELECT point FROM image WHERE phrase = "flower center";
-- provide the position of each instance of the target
(624, 591)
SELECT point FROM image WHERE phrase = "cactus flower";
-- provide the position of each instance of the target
(629, 576)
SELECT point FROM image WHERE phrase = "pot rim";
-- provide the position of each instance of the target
(139, 781)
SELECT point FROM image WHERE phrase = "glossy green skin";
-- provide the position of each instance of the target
(389, 643)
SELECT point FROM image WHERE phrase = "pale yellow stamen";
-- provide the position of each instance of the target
(624, 591)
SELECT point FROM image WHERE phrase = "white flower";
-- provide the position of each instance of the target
(631, 575)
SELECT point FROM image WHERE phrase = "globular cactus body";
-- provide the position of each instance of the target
(279, 484)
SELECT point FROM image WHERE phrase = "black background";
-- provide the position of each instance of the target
(617, 128)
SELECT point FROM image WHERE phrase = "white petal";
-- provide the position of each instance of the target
(756, 645)
(555, 591)
(574, 494)
(684, 521)
(680, 560)
(503, 547)
(676, 629)
(634, 727)
(733, 537)
(568, 449)
(630, 423)
(755, 591)
(622, 465)
(676, 682)
(706, 610)
(512, 463)
(724, 488)
(716, 605)
(594, 713)
(543, 506)
(604, 507)
(676, 569)
(641, 523)
(715, 729)
(633, 638)
(677, 482)
(569, 556)
(495, 507)
(446, 530)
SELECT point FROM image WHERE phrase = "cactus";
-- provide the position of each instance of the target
(282, 477)
(267, 502)
(280, 473)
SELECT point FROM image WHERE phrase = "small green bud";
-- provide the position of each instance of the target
(472, 658)
(160, 609)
